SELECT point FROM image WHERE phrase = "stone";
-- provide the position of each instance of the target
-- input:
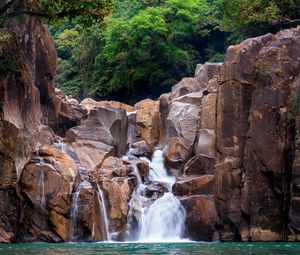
(186, 86)
(117, 191)
(147, 120)
(198, 185)
(112, 167)
(141, 149)
(106, 125)
(204, 73)
(200, 165)
(178, 151)
(201, 218)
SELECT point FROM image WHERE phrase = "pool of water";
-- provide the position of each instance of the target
(152, 248)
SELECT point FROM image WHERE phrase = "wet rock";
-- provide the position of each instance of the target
(199, 185)
(200, 165)
(112, 167)
(177, 153)
(141, 149)
(118, 193)
(201, 218)
(155, 190)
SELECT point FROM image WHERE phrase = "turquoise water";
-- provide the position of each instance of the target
(152, 248)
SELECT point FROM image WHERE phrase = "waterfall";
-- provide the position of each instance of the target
(41, 184)
(84, 183)
(161, 220)
(164, 220)
(103, 211)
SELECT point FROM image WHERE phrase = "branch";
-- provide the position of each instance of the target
(6, 6)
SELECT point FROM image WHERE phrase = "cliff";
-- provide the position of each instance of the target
(230, 136)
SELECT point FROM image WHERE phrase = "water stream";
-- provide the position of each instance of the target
(161, 220)
(84, 183)
(41, 184)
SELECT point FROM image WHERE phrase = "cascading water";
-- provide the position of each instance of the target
(41, 184)
(84, 183)
(103, 211)
(162, 220)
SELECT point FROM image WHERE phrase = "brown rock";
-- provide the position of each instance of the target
(118, 193)
(112, 167)
(201, 218)
(177, 154)
(147, 120)
(106, 125)
(199, 185)
(199, 165)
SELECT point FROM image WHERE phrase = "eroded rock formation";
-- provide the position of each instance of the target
(230, 136)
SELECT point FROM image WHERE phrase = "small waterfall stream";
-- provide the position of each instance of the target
(84, 183)
(41, 184)
(161, 220)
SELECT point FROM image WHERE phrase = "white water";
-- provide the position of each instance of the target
(162, 220)
(41, 184)
(84, 183)
(103, 209)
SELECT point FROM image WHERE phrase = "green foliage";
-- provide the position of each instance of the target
(147, 45)
(84, 12)
(7, 61)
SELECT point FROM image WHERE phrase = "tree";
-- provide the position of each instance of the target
(86, 12)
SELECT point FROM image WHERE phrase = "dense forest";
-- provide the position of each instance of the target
(126, 49)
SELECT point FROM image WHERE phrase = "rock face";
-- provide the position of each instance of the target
(231, 137)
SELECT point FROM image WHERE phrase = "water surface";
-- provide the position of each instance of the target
(152, 248)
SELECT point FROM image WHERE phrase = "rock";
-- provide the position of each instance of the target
(186, 86)
(118, 193)
(177, 153)
(183, 117)
(199, 185)
(47, 183)
(89, 103)
(141, 149)
(200, 165)
(201, 218)
(208, 112)
(206, 144)
(106, 125)
(133, 133)
(62, 113)
(155, 190)
(90, 154)
(112, 167)
(147, 120)
(204, 73)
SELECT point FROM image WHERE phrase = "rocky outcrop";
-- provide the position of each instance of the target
(107, 125)
(230, 135)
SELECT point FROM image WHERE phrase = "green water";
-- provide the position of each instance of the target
(152, 248)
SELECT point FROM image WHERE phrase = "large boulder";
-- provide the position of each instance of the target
(147, 120)
(47, 183)
(201, 219)
(204, 73)
(178, 151)
(183, 117)
(107, 125)
(198, 185)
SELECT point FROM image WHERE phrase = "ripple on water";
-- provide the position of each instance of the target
(152, 248)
